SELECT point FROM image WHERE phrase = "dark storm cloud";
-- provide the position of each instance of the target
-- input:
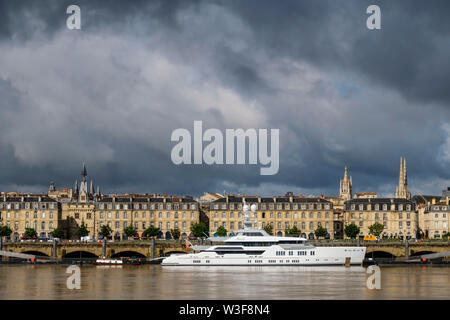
(111, 93)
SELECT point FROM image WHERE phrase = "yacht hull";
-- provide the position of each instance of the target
(276, 256)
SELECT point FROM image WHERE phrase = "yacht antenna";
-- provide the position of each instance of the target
(248, 224)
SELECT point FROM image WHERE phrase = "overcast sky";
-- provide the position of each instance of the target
(111, 93)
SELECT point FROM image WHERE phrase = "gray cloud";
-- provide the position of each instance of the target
(111, 93)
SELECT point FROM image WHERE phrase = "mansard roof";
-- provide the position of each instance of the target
(379, 200)
(28, 199)
(310, 200)
(281, 199)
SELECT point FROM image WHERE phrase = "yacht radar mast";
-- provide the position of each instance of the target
(248, 224)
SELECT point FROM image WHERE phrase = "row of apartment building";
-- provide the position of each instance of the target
(421, 216)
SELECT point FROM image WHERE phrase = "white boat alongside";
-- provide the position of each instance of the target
(109, 262)
(251, 246)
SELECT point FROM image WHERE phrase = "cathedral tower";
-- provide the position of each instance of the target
(402, 190)
(345, 191)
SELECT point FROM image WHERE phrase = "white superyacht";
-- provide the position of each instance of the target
(252, 246)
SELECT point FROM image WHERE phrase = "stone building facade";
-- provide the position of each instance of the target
(39, 212)
(282, 213)
(398, 216)
(165, 213)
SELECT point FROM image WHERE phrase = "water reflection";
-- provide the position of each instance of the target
(222, 282)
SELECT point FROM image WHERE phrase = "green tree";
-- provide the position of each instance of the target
(175, 233)
(105, 231)
(221, 231)
(446, 236)
(58, 233)
(30, 233)
(5, 231)
(268, 228)
(199, 229)
(151, 231)
(83, 231)
(376, 229)
(293, 232)
(320, 232)
(130, 231)
(351, 230)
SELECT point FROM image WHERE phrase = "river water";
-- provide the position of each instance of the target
(200, 283)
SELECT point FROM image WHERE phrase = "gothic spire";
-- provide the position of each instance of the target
(84, 172)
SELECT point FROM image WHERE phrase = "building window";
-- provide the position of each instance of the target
(77, 216)
(117, 224)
